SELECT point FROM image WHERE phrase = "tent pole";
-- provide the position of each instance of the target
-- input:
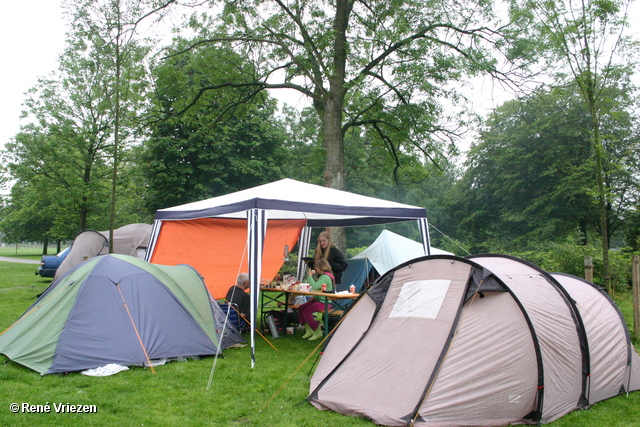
(423, 225)
(155, 231)
(303, 250)
(135, 329)
(256, 229)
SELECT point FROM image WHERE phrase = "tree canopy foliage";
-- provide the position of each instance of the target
(530, 177)
(66, 154)
(382, 66)
(585, 43)
(386, 82)
(211, 148)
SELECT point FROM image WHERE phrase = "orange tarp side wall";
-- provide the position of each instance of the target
(217, 248)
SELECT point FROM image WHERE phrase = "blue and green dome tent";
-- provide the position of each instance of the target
(118, 309)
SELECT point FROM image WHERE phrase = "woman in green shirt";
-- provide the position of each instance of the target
(316, 278)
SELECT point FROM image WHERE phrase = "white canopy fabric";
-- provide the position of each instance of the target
(289, 199)
(390, 250)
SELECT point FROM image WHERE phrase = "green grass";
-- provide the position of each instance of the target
(27, 251)
(271, 394)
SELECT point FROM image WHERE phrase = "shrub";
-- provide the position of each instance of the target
(568, 257)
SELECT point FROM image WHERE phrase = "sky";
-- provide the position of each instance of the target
(33, 34)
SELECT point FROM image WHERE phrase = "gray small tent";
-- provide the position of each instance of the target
(117, 309)
(487, 340)
(131, 239)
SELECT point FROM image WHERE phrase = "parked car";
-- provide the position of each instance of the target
(50, 263)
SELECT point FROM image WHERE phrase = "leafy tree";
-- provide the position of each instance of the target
(59, 157)
(307, 155)
(108, 28)
(632, 225)
(529, 179)
(381, 65)
(206, 152)
(184, 162)
(27, 217)
(585, 43)
(66, 153)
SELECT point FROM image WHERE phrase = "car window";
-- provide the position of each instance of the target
(64, 251)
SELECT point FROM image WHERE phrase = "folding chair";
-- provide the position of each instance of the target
(231, 312)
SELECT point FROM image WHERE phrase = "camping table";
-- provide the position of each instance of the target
(329, 296)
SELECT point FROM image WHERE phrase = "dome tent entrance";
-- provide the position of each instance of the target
(490, 340)
(253, 227)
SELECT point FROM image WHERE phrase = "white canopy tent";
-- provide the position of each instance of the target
(283, 200)
(390, 250)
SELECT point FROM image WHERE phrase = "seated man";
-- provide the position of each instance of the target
(237, 295)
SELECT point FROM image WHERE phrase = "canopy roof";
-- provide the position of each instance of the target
(284, 201)
(290, 199)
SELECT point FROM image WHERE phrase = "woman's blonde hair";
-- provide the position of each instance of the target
(320, 254)
(322, 266)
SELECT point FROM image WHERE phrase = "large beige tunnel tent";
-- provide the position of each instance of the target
(487, 340)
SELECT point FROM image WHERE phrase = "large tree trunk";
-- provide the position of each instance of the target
(335, 171)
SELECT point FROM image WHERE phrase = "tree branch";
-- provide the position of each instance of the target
(259, 85)
(422, 34)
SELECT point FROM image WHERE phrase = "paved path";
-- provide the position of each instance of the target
(21, 260)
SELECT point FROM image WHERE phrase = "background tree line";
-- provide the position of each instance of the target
(130, 124)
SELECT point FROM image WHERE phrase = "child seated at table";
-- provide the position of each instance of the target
(322, 275)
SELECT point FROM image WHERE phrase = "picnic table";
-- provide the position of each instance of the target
(336, 298)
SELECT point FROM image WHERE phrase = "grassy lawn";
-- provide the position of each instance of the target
(271, 394)
(27, 251)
